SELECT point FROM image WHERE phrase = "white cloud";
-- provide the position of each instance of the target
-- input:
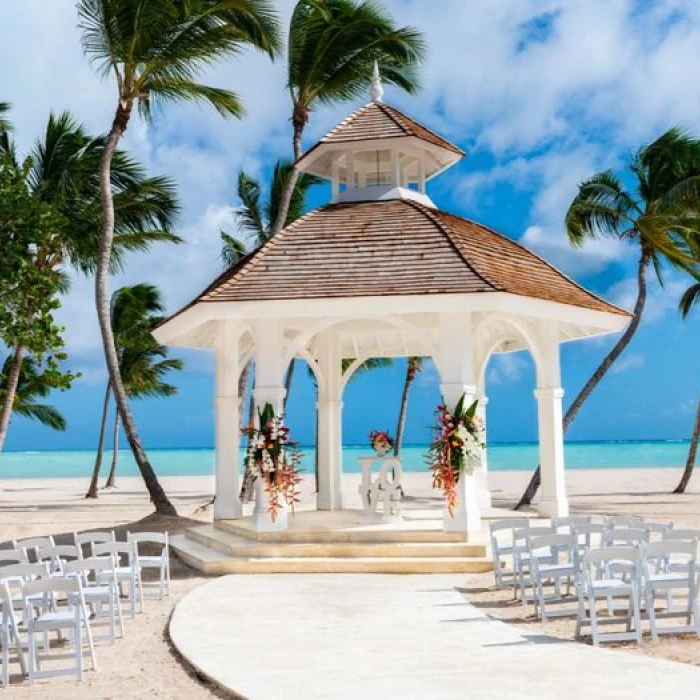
(629, 361)
(660, 300)
(507, 368)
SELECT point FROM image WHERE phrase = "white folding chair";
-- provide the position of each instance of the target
(595, 583)
(123, 555)
(522, 559)
(554, 561)
(30, 545)
(567, 523)
(159, 561)
(686, 534)
(588, 535)
(680, 574)
(9, 634)
(100, 591)
(43, 616)
(657, 531)
(502, 547)
(56, 556)
(91, 538)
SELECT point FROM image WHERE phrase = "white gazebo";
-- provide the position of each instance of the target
(381, 272)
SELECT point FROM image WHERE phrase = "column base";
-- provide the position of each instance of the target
(262, 520)
(467, 515)
(227, 511)
(553, 507)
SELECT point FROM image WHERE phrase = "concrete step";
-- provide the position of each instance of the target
(210, 561)
(233, 545)
(359, 535)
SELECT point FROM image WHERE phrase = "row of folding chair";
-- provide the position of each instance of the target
(100, 564)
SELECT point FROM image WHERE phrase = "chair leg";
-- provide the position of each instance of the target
(636, 613)
(78, 634)
(594, 620)
(88, 634)
(31, 639)
(651, 613)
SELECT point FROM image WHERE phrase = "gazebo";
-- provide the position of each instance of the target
(380, 271)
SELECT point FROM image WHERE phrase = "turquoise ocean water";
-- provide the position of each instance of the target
(510, 456)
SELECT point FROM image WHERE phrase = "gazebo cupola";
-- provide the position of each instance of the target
(379, 153)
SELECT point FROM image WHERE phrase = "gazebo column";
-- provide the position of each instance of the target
(227, 505)
(457, 378)
(329, 438)
(269, 388)
(553, 501)
(482, 473)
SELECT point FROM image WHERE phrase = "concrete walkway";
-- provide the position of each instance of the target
(380, 636)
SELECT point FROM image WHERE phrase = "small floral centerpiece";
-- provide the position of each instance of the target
(456, 448)
(274, 458)
(381, 442)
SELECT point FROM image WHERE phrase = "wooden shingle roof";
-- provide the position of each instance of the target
(393, 247)
(377, 120)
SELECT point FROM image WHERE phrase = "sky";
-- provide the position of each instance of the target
(539, 93)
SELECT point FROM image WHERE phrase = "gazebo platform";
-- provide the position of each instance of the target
(336, 542)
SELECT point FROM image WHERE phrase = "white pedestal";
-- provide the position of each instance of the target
(467, 515)
(262, 519)
(381, 490)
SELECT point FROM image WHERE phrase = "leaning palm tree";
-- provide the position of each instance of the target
(134, 312)
(156, 51)
(659, 217)
(414, 365)
(63, 169)
(331, 49)
(30, 387)
(689, 299)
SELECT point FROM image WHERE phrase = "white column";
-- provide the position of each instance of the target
(335, 178)
(350, 169)
(329, 438)
(421, 173)
(226, 502)
(395, 171)
(553, 500)
(457, 378)
(268, 389)
(482, 473)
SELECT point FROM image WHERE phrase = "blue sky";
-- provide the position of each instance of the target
(540, 93)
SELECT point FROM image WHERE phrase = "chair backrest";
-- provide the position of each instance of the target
(91, 538)
(162, 537)
(89, 565)
(505, 526)
(673, 553)
(625, 536)
(120, 552)
(683, 533)
(30, 545)
(570, 521)
(626, 521)
(12, 556)
(58, 555)
(15, 576)
(657, 530)
(558, 544)
(595, 560)
(54, 584)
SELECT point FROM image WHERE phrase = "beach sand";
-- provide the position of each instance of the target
(143, 663)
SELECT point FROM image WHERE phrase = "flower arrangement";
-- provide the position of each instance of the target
(275, 459)
(456, 448)
(381, 442)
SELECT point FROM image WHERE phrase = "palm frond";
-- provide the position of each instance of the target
(233, 249)
(5, 123)
(46, 415)
(280, 177)
(249, 216)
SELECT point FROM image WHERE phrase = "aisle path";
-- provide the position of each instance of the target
(345, 637)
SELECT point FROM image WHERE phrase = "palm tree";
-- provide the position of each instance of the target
(659, 216)
(134, 312)
(413, 366)
(688, 301)
(331, 49)
(64, 162)
(30, 387)
(156, 51)
(254, 218)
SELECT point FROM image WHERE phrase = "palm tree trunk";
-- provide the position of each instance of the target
(692, 452)
(401, 423)
(286, 198)
(622, 343)
(111, 479)
(9, 402)
(92, 489)
(158, 497)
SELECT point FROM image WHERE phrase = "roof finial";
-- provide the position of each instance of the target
(375, 89)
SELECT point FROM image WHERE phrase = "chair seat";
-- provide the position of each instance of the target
(158, 561)
(557, 570)
(610, 584)
(53, 620)
(667, 579)
(93, 592)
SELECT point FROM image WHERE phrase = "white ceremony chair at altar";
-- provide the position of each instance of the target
(57, 555)
(123, 556)
(502, 543)
(100, 591)
(12, 556)
(43, 616)
(567, 523)
(522, 559)
(686, 534)
(159, 561)
(624, 521)
(9, 634)
(589, 535)
(554, 560)
(600, 580)
(679, 575)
